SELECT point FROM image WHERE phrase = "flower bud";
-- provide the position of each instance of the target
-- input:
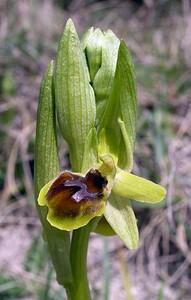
(113, 80)
(101, 49)
(93, 42)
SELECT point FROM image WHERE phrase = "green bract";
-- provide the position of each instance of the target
(96, 105)
(75, 99)
(46, 168)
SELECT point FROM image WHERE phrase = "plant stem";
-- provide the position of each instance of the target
(79, 290)
(78, 257)
(106, 269)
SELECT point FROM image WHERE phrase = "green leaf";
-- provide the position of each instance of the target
(46, 168)
(119, 214)
(133, 187)
(75, 98)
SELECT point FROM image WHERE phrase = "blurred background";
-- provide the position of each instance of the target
(158, 35)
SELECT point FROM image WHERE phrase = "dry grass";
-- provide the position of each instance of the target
(159, 37)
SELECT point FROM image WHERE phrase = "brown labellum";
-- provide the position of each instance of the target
(71, 195)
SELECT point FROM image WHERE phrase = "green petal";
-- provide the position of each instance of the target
(130, 186)
(125, 147)
(119, 214)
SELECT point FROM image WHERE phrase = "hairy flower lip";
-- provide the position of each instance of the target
(74, 199)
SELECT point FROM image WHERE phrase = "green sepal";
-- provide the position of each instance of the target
(75, 98)
(133, 187)
(46, 168)
(120, 216)
(104, 228)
